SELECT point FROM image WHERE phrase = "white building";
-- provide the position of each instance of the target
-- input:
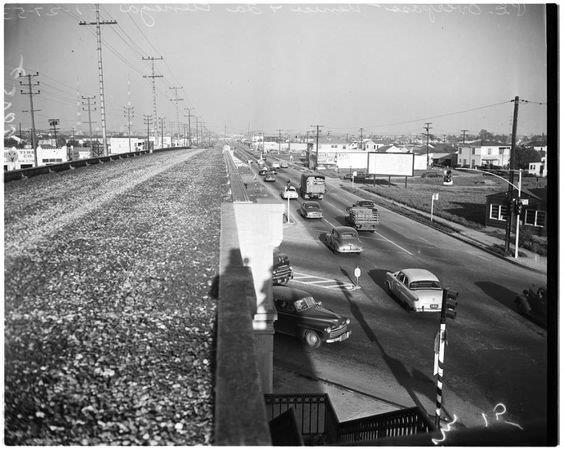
(477, 156)
(50, 156)
(122, 144)
(18, 158)
(538, 168)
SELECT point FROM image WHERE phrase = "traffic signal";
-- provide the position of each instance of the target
(450, 303)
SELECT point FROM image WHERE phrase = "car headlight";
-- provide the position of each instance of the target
(327, 330)
(348, 321)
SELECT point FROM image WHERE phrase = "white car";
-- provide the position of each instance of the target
(289, 192)
(418, 288)
(275, 164)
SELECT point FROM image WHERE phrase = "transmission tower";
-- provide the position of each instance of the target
(100, 71)
(189, 125)
(153, 76)
(89, 99)
(31, 93)
(176, 100)
(148, 119)
(128, 111)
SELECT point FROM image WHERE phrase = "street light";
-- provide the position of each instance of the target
(518, 187)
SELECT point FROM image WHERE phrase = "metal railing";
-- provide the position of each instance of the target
(315, 417)
(399, 423)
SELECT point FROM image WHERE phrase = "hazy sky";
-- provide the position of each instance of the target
(383, 67)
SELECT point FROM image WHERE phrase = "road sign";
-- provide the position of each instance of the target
(435, 196)
(357, 272)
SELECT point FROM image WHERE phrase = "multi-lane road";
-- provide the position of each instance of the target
(495, 359)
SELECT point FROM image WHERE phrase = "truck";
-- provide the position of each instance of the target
(312, 185)
(362, 218)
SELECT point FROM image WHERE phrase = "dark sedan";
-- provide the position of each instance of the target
(300, 315)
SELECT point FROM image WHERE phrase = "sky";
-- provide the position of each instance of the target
(280, 67)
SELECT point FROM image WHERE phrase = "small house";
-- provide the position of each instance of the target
(533, 214)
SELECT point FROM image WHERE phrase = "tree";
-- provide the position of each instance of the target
(525, 155)
(485, 135)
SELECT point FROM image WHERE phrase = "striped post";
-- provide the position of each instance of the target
(441, 359)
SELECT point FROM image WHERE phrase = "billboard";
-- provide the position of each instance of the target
(390, 164)
(352, 159)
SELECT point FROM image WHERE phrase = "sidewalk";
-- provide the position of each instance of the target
(527, 259)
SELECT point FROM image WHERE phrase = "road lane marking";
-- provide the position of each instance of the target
(304, 278)
(393, 243)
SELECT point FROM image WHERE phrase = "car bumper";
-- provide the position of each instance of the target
(341, 337)
(428, 308)
(349, 250)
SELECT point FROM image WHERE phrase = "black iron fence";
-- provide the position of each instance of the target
(318, 424)
(399, 423)
(315, 417)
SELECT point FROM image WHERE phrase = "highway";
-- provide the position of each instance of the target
(494, 356)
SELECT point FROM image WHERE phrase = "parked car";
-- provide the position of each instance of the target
(282, 272)
(344, 239)
(263, 171)
(419, 289)
(301, 316)
(348, 176)
(269, 177)
(289, 192)
(283, 164)
(311, 209)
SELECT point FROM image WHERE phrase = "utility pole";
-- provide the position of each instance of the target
(197, 138)
(202, 131)
(189, 126)
(279, 138)
(153, 76)
(147, 119)
(316, 143)
(88, 99)
(31, 93)
(427, 128)
(162, 131)
(463, 136)
(128, 110)
(361, 129)
(512, 157)
(176, 100)
(100, 71)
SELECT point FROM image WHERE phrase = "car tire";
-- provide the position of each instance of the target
(312, 339)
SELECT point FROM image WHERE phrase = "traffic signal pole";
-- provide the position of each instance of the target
(448, 310)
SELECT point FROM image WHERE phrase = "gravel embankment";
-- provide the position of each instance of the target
(109, 326)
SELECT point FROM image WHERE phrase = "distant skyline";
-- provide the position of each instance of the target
(286, 66)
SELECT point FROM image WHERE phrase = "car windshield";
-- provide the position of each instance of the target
(305, 303)
(419, 285)
(312, 206)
